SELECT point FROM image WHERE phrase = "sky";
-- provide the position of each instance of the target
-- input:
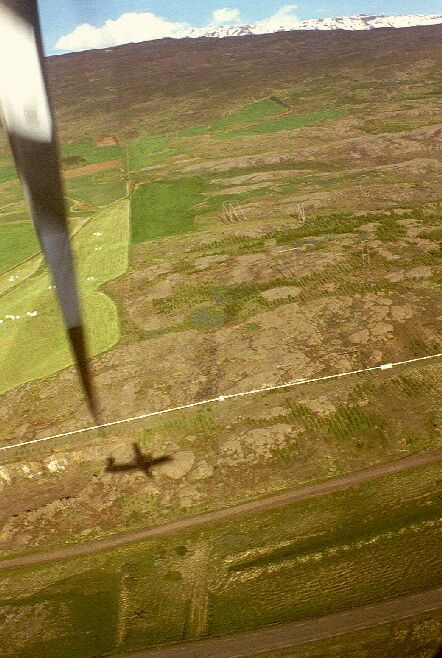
(75, 24)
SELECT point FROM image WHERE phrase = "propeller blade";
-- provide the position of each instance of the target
(29, 121)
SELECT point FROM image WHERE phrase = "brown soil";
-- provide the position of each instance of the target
(106, 141)
(92, 168)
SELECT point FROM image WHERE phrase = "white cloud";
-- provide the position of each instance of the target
(283, 18)
(226, 16)
(129, 28)
(145, 26)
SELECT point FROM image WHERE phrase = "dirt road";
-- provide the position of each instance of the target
(301, 632)
(270, 502)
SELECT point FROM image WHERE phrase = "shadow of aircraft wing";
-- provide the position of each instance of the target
(151, 462)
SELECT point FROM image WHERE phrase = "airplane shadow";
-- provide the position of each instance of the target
(141, 462)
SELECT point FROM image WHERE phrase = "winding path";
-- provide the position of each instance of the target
(270, 502)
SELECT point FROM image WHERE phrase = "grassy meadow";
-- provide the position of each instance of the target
(165, 208)
(102, 249)
(282, 565)
(98, 189)
(80, 153)
(17, 242)
(408, 638)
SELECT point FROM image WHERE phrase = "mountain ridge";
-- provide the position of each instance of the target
(349, 23)
(137, 28)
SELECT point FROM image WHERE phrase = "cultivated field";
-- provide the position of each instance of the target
(31, 318)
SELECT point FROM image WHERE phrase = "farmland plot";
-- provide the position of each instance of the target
(101, 247)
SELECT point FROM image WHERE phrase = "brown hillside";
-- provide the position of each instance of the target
(168, 84)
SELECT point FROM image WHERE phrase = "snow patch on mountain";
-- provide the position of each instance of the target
(134, 27)
(352, 23)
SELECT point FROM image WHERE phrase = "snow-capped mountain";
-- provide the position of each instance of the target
(219, 32)
(360, 22)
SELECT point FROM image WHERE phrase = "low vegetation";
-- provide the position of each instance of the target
(7, 174)
(98, 189)
(17, 242)
(145, 153)
(165, 208)
(289, 122)
(307, 559)
(416, 638)
(81, 153)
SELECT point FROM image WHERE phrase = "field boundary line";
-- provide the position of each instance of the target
(73, 233)
(221, 398)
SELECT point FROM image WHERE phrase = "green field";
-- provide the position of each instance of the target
(59, 611)
(98, 189)
(248, 114)
(169, 207)
(155, 150)
(10, 192)
(17, 242)
(18, 215)
(165, 208)
(7, 173)
(19, 273)
(251, 113)
(147, 152)
(323, 555)
(81, 153)
(290, 122)
(102, 257)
